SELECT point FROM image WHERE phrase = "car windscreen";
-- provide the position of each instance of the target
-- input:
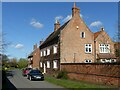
(35, 72)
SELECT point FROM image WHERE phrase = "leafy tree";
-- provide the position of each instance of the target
(13, 62)
(22, 63)
(5, 58)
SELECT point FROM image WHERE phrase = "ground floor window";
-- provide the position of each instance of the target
(55, 64)
(88, 61)
(108, 60)
(48, 64)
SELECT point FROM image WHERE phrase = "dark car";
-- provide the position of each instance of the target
(26, 71)
(35, 75)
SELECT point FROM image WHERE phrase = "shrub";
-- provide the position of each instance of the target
(62, 75)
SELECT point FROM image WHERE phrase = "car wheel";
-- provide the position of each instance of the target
(30, 78)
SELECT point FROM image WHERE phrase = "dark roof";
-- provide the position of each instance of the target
(106, 56)
(54, 34)
(30, 55)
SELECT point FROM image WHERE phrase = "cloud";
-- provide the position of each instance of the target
(67, 18)
(58, 17)
(19, 46)
(81, 15)
(36, 24)
(96, 24)
(11, 45)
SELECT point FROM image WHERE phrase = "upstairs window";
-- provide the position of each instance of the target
(55, 49)
(41, 53)
(104, 48)
(88, 48)
(44, 52)
(82, 34)
(48, 51)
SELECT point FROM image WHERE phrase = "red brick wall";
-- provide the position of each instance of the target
(36, 58)
(107, 74)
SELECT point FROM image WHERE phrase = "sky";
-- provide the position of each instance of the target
(26, 23)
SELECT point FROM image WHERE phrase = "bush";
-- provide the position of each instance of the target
(62, 75)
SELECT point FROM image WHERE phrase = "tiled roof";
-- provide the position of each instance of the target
(106, 56)
(54, 34)
(96, 34)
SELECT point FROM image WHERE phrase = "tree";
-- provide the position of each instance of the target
(22, 63)
(13, 62)
(5, 58)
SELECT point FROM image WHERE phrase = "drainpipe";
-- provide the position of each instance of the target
(95, 51)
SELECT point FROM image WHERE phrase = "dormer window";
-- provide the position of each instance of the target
(82, 34)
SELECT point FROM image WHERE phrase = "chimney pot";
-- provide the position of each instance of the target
(41, 42)
(35, 46)
(56, 25)
(75, 10)
(102, 29)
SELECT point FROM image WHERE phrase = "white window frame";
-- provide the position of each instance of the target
(113, 60)
(41, 53)
(44, 52)
(41, 64)
(55, 64)
(48, 64)
(103, 60)
(89, 61)
(55, 49)
(48, 51)
(104, 48)
(82, 34)
(88, 47)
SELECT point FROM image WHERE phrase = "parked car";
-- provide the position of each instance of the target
(35, 75)
(26, 71)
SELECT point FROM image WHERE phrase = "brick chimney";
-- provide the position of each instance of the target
(41, 42)
(35, 46)
(102, 29)
(56, 25)
(75, 11)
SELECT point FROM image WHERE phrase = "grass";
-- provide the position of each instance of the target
(74, 84)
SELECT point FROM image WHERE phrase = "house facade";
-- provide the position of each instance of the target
(34, 58)
(74, 42)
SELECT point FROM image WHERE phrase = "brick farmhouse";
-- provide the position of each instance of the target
(73, 42)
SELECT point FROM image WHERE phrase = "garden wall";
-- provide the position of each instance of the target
(107, 74)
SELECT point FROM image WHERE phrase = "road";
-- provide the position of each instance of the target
(22, 82)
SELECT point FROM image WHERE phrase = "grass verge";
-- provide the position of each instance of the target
(74, 84)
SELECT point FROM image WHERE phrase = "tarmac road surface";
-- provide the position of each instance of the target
(22, 82)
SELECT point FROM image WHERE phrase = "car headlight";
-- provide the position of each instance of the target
(35, 76)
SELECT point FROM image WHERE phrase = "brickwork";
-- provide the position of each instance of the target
(107, 74)
(72, 46)
(36, 58)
